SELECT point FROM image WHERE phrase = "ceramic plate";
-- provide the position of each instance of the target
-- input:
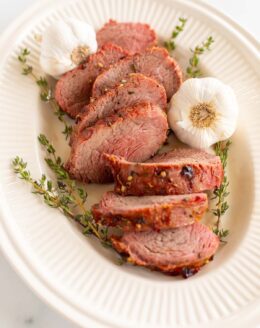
(75, 274)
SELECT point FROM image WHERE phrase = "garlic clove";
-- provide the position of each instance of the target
(65, 44)
(203, 112)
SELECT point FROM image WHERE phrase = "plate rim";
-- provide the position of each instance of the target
(7, 245)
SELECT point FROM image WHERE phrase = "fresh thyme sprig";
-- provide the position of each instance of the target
(221, 149)
(193, 69)
(46, 93)
(64, 193)
(220, 194)
(170, 44)
(42, 187)
(221, 233)
(77, 195)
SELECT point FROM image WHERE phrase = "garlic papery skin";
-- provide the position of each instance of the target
(65, 45)
(203, 112)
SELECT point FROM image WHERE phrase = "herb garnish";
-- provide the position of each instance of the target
(193, 69)
(221, 233)
(46, 93)
(170, 44)
(220, 194)
(64, 193)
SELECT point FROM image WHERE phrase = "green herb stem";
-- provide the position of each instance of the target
(64, 193)
(42, 187)
(78, 195)
(193, 68)
(220, 194)
(46, 93)
(170, 44)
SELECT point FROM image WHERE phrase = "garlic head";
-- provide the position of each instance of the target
(65, 45)
(203, 112)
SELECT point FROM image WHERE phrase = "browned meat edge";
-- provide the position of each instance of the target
(136, 133)
(182, 171)
(177, 251)
(133, 37)
(149, 212)
(73, 90)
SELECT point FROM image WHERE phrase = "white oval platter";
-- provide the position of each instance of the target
(76, 275)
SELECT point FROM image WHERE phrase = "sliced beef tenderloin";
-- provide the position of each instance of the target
(155, 63)
(133, 37)
(73, 90)
(181, 171)
(149, 212)
(137, 88)
(136, 133)
(175, 251)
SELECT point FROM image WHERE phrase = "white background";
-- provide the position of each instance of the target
(19, 307)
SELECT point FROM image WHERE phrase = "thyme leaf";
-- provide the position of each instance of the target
(62, 193)
(193, 68)
(46, 92)
(221, 233)
(170, 44)
(221, 149)
(220, 194)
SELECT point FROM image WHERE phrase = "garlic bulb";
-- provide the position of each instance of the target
(66, 44)
(203, 112)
